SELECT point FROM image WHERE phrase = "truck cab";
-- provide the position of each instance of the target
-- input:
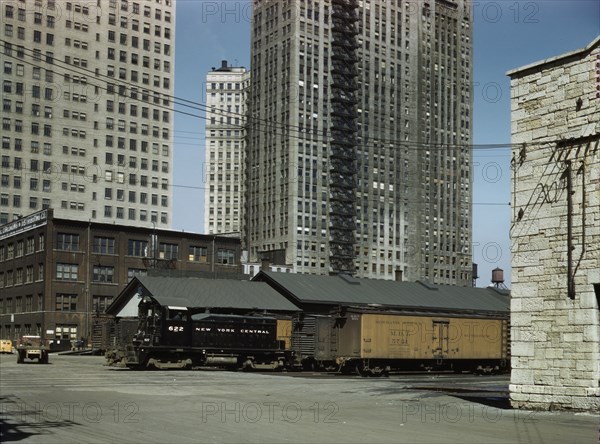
(32, 347)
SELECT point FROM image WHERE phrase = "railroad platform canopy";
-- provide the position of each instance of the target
(192, 292)
(343, 290)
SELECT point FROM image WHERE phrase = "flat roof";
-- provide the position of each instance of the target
(540, 63)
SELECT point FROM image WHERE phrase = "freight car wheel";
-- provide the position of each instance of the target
(309, 365)
(362, 371)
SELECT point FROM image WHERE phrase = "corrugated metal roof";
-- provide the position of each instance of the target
(221, 293)
(317, 289)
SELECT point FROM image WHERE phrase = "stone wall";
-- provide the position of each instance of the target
(555, 333)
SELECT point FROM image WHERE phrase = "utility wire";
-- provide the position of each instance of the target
(379, 143)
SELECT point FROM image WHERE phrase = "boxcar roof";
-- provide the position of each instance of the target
(197, 292)
(345, 290)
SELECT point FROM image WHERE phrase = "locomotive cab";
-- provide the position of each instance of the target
(176, 329)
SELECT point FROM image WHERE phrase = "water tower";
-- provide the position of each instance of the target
(498, 278)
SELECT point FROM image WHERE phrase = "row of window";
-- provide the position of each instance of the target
(119, 213)
(34, 185)
(64, 332)
(22, 247)
(22, 305)
(21, 15)
(16, 203)
(107, 245)
(36, 128)
(64, 272)
(21, 276)
(63, 302)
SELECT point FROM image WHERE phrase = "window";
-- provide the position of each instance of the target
(65, 331)
(67, 272)
(67, 242)
(137, 248)
(226, 257)
(104, 245)
(101, 303)
(66, 302)
(197, 254)
(103, 273)
(30, 245)
(132, 272)
(168, 251)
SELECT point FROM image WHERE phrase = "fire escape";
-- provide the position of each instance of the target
(342, 158)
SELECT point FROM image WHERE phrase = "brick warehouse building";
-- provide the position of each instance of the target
(57, 274)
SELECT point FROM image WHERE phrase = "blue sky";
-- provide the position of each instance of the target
(507, 34)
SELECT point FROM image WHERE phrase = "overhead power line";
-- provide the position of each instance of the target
(269, 127)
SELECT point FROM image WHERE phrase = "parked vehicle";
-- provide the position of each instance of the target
(32, 347)
(6, 346)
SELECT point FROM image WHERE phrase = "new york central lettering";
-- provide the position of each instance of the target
(232, 330)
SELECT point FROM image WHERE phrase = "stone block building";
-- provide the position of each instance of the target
(555, 108)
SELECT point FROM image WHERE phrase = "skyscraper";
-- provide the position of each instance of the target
(226, 99)
(410, 165)
(87, 112)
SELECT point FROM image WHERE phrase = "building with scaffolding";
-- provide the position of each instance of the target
(359, 140)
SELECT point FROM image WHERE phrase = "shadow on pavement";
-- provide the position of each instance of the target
(19, 421)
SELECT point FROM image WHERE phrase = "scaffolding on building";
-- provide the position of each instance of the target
(343, 144)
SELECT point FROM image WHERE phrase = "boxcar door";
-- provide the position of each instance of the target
(440, 346)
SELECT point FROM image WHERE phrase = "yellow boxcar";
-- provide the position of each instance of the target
(420, 337)
(6, 346)
(372, 342)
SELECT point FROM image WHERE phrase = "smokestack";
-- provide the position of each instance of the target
(399, 275)
(265, 265)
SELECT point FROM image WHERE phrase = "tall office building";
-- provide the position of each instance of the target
(226, 99)
(396, 76)
(87, 112)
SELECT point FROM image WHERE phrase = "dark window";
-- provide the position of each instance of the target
(104, 245)
(226, 257)
(66, 302)
(168, 251)
(101, 303)
(67, 241)
(137, 248)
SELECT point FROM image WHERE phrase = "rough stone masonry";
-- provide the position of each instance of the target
(555, 232)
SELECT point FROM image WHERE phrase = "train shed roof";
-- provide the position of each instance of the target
(303, 290)
(197, 292)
